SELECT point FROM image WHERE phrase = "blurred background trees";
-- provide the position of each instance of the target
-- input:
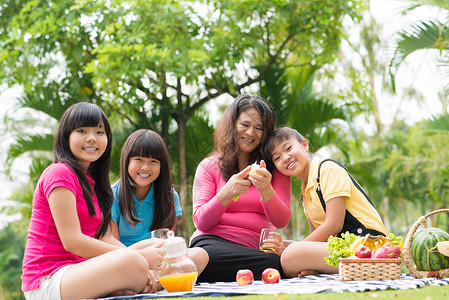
(173, 66)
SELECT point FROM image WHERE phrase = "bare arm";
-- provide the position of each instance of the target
(335, 216)
(114, 230)
(63, 209)
(311, 227)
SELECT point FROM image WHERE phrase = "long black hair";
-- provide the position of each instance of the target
(147, 143)
(84, 114)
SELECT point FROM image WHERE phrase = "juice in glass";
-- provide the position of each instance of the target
(266, 234)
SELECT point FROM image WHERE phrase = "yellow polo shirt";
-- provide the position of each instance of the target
(335, 182)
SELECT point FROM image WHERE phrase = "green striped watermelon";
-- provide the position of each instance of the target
(424, 252)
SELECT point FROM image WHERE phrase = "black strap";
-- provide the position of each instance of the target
(351, 223)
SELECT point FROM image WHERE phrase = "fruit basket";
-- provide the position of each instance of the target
(369, 268)
(443, 273)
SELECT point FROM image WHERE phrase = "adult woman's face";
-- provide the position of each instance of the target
(249, 130)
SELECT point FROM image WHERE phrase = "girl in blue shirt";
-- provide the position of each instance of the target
(144, 197)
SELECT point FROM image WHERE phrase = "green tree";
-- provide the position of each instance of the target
(422, 35)
(12, 245)
(153, 64)
(428, 165)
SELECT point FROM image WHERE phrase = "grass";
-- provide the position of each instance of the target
(425, 293)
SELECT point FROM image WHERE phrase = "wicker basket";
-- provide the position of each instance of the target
(369, 268)
(407, 252)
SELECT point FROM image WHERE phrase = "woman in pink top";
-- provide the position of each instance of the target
(70, 252)
(230, 205)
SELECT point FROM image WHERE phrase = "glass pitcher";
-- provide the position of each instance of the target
(178, 272)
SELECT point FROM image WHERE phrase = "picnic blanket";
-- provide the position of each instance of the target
(324, 283)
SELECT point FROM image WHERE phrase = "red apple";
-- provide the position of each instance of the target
(387, 251)
(244, 277)
(363, 252)
(271, 275)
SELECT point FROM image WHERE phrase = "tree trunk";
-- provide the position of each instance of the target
(184, 196)
(379, 126)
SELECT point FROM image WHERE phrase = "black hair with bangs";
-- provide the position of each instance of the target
(147, 143)
(85, 114)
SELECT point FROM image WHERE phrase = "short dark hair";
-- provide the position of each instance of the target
(277, 136)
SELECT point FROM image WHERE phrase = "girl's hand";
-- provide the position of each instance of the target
(152, 284)
(277, 244)
(146, 243)
(154, 255)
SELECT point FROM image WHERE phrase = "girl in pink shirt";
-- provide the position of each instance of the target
(70, 252)
(230, 205)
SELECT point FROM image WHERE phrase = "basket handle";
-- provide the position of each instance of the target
(408, 241)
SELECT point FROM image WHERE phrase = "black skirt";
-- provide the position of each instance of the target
(227, 257)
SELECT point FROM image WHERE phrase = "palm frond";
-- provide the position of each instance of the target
(419, 36)
(52, 106)
(438, 185)
(311, 113)
(414, 4)
(330, 134)
(38, 165)
(436, 125)
(27, 143)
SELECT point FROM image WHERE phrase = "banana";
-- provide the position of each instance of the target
(359, 241)
(372, 242)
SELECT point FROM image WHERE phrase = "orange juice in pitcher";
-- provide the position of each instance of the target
(178, 272)
(179, 282)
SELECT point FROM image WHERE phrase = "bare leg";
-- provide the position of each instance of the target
(199, 256)
(118, 270)
(306, 256)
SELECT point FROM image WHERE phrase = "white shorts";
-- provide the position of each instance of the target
(49, 288)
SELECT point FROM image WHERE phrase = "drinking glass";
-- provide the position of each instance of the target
(266, 234)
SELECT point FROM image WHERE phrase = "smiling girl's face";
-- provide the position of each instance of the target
(88, 144)
(292, 158)
(143, 170)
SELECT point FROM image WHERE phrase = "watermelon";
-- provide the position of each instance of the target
(424, 251)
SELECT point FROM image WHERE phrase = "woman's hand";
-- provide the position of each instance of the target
(261, 179)
(277, 244)
(237, 185)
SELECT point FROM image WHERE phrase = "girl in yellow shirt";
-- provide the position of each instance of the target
(333, 203)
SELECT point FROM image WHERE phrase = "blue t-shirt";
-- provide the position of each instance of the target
(144, 210)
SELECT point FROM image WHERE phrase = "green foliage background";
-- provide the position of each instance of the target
(159, 64)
